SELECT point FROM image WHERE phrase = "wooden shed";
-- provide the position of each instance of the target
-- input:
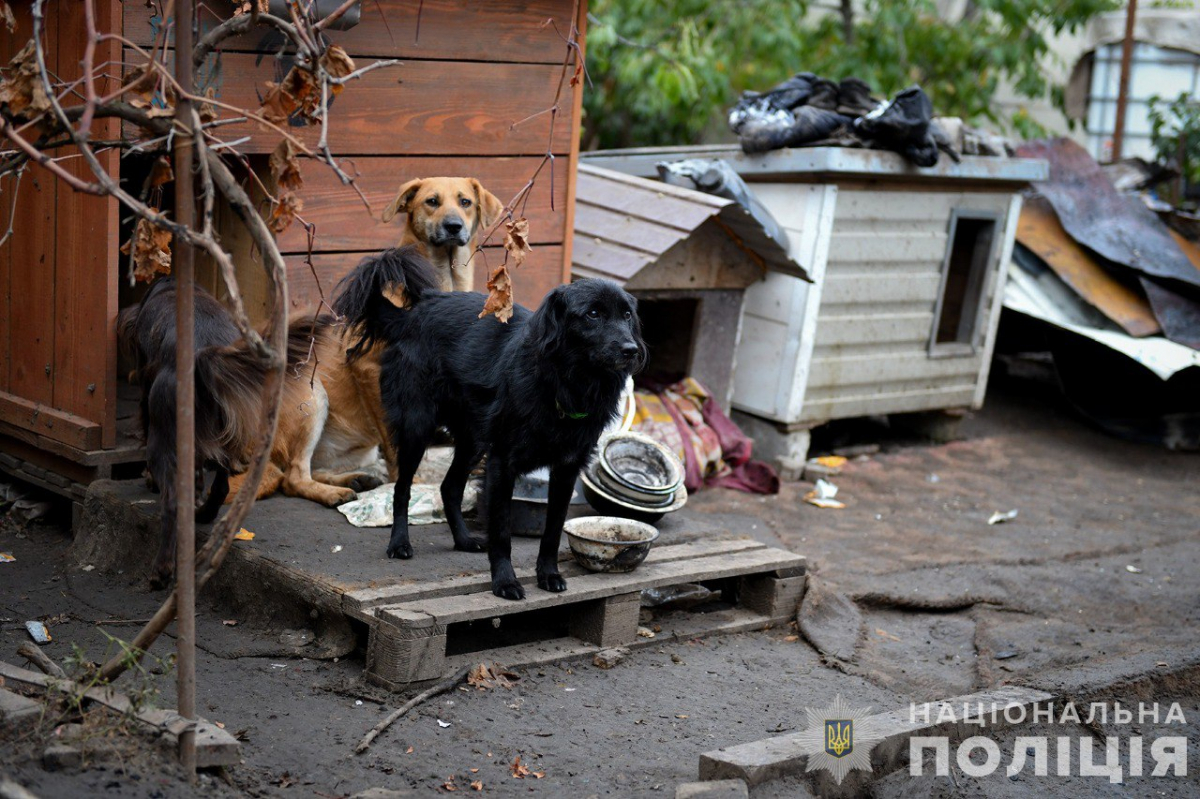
(687, 256)
(450, 108)
(908, 282)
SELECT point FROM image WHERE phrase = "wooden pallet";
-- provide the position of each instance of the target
(409, 625)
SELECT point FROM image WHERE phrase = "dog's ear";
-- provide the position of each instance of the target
(403, 198)
(643, 351)
(490, 207)
(548, 327)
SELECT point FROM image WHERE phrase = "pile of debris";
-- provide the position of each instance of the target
(808, 111)
(1120, 290)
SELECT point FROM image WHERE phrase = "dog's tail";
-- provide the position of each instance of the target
(305, 335)
(377, 289)
(229, 402)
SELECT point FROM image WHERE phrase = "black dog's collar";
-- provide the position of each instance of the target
(563, 413)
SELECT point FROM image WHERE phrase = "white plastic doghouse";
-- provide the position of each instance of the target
(908, 280)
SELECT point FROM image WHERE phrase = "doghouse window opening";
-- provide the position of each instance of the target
(959, 309)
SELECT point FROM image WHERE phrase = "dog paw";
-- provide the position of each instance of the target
(554, 583)
(401, 551)
(509, 589)
(342, 496)
(471, 544)
(365, 482)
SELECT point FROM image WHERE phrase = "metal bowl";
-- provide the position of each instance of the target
(608, 543)
(605, 502)
(643, 467)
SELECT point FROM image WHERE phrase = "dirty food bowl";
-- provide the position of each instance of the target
(609, 504)
(608, 543)
(639, 468)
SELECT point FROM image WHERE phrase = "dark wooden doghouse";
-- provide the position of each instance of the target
(451, 108)
(687, 256)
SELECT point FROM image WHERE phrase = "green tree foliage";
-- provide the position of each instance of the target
(1175, 135)
(664, 71)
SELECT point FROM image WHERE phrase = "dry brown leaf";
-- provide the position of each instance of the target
(151, 247)
(284, 212)
(500, 295)
(208, 111)
(516, 241)
(449, 785)
(476, 785)
(492, 675)
(297, 92)
(6, 15)
(338, 64)
(161, 172)
(21, 90)
(408, 751)
(285, 167)
(519, 769)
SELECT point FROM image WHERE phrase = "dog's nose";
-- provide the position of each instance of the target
(629, 349)
(452, 227)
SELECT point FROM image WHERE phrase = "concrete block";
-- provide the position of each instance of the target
(716, 789)
(18, 711)
(60, 757)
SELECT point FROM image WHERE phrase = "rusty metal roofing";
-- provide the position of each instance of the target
(1040, 231)
(624, 224)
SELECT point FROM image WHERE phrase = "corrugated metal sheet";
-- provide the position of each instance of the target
(624, 224)
(1040, 231)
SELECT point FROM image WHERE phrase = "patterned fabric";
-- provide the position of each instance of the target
(374, 508)
(684, 417)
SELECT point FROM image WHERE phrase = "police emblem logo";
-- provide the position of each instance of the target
(839, 737)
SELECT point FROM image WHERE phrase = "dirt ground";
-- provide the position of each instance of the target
(1097, 571)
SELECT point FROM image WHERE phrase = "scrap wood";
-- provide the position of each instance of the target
(449, 681)
(37, 657)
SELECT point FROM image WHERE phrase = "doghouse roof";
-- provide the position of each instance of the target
(650, 235)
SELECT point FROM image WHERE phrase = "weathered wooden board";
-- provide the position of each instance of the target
(879, 370)
(541, 272)
(499, 30)
(886, 249)
(843, 287)
(38, 417)
(362, 602)
(343, 223)
(484, 604)
(85, 296)
(874, 328)
(664, 208)
(924, 396)
(418, 108)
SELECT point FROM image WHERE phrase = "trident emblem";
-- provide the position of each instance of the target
(839, 737)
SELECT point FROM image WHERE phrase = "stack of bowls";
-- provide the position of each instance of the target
(634, 477)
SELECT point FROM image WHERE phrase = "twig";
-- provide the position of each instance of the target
(449, 681)
(40, 659)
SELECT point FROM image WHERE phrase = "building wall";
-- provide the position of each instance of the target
(452, 108)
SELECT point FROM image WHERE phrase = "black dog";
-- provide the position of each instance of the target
(228, 402)
(536, 391)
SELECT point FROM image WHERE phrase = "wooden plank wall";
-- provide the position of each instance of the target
(59, 287)
(475, 70)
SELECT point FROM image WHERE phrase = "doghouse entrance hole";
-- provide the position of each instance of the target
(663, 321)
(964, 274)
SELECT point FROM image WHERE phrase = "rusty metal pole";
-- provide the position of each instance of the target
(1118, 141)
(185, 394)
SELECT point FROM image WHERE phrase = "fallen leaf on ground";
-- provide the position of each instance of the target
(244, 535)
(519, 769)
(791, 638)
(500, 295)
(449, 785)
(229, 622)
(491, 675)
(408, 751)
(886, 634)
(477, 785)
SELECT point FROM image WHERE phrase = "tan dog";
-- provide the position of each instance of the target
(444, 217)
(332, 438)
